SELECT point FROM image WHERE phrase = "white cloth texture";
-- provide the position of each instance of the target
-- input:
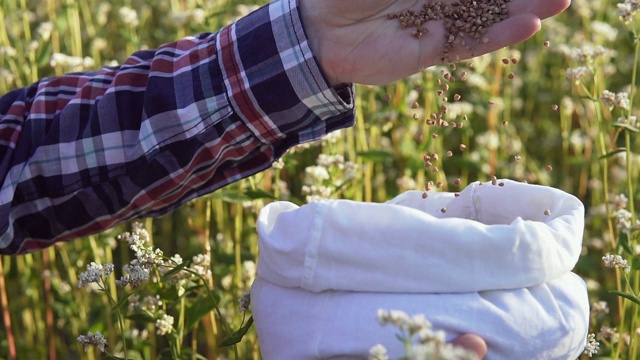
(496, 263)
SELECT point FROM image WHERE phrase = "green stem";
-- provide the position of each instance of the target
(627, 143)
(113, 302)
(178, 342)
(632, 92)
(634, 72)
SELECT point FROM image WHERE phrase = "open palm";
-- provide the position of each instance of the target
(356, 42)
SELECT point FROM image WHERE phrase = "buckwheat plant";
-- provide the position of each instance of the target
(93, 339)
(592, 347)
(97, 274)
(420, 340)
(328, 178)
(169, 294)
(610, 122)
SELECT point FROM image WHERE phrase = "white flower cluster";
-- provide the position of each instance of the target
(44, 30)
(593, 346)
(176, 259)
(350, 170)
(129, 16)
(489, 140)
(627, 10)
(170, 264)
(72, 63)
(94, 273)
(599, 307)
(458, 108)
(149, 303)
(631, 121)
(620, 201)
(164, 325)
(316, 193)
(316, 173)
(616, 261)
(610, 333)
(196, 16)
(136, 275)
(102, 13)
(7, 51)
(619, 100)
(331, 138)
(604, 30)
(316, 183)
(430, 343)
(6, 76)
(587, 53)
(624, 221)
(201, 265)
(92, 339)
(577, 73)
(249, 271)
(326, 161)
(278, 164)
(406, 182)
(244, 10)
(378, 352)
(138, 240)
(283, 187)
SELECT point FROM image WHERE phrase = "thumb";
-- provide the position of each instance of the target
(473, 343)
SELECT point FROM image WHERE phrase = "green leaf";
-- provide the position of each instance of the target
(627, 127)
(197, 310)
(237, 336)
(259, 194)
(122, 302)
(111, 357)
(43, 54)
(623, 242)
(175, 270)
(625, 295)
(188, 353)
(233, 196)
(168, 294)
(142, 317)
(610, 154)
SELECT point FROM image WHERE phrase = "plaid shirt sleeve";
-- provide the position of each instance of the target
(84, 152)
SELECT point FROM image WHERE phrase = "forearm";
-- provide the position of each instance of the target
(81, 153)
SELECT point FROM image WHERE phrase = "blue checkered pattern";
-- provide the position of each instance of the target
(83, 152)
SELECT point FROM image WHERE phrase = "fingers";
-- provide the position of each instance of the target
(511, 31)
(540, 8)
(472, 343)
(523, 23)
(508, 32)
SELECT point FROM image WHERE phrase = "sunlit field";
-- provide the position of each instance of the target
(559, 110)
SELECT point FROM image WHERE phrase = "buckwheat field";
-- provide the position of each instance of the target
(560, 110)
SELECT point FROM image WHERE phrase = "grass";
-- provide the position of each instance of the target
(583, 140)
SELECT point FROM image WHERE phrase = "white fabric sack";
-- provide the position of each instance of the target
(493, 264)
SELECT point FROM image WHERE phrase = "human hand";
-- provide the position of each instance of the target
(473, 343)
(355, 42)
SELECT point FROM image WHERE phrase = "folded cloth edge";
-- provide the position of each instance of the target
(352, 246)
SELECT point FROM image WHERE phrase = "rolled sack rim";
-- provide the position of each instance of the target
(489, 238)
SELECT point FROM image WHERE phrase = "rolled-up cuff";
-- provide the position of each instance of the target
(274, 81)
